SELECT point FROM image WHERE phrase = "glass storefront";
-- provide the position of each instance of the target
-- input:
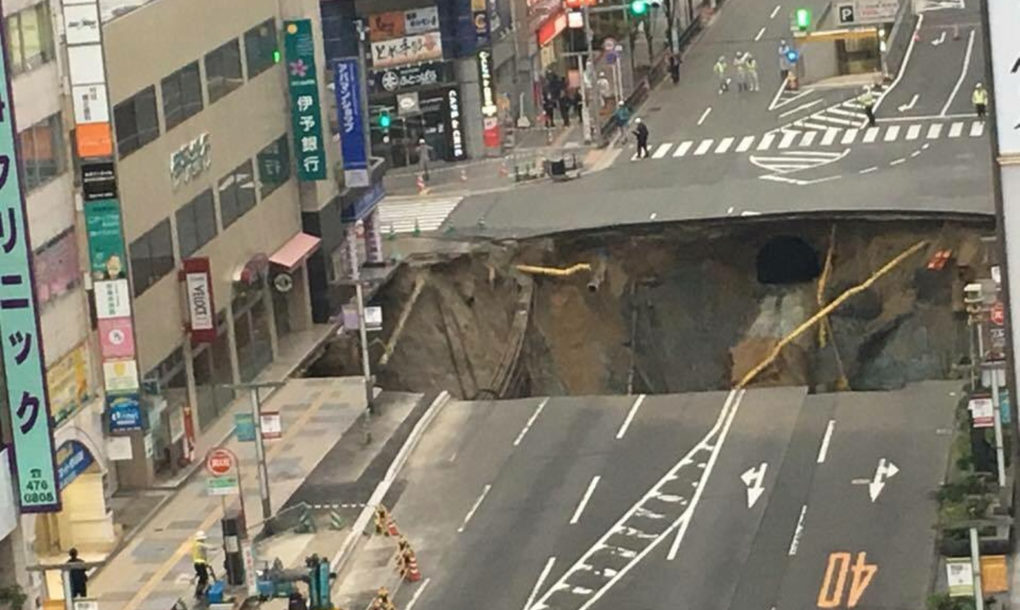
(251, 327)
(212, 374)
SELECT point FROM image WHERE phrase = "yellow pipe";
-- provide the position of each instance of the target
(553, 271)
(823, 281)
(889, 266)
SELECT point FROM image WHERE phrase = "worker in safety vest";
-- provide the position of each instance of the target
(867, 101)
(200, 560)
(980, 99)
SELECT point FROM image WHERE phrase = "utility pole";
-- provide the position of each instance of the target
(975, 566)
(255, 402)
(587, 65)
(366, 364)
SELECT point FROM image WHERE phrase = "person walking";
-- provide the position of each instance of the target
(549, 108)
(740, 69)
(674, 67)
(565, 101)
(867, 101)
(622, 118)
(77, 576)
(641, 134)
(784, 61)
(980, 99)
(720, 73)
(751, 64)
(200, 561)
(605, 89)
(424, 158)
(575, 101)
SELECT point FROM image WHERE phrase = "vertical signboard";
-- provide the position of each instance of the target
(305, 114)
(1003, 18)
(198, 289)
(24, 363)
(93, 137)
(351, 114)
(107, 260)
(490, 111)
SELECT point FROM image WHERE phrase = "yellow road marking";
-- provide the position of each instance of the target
(830, 595)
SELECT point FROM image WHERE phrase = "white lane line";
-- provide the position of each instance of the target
(630, 416)
(927, 117)
(531, 420)
(704, 115)
(798, 532)
(724, 145)
(838, 121)
(913, 132)
(454, 456)
(934, 131)
(417, 593)
(745, 144)
(788, 138)
(760, 33)
(538, 585)
(898, 161)
(808, 138)
(584, 499)
(800, 108)
(683, 148)
(809, 125)
(829, 137)
(774, 11)
(955, 130)
(849, 136)
(823, 451)
(963, 73)
(977, 128)
(766, 141)
(847, 113)
(903, 64)
(915, 153)
(478, 502)
(892, 133)
(870, 135)
(661, 151)
(868, 170)
(703, 147)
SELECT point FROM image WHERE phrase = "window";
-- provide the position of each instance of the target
(42, 152)
(223, 70)
(56, 267)
(182, 95)
(274, 165)
(196, 223)
(135, 120)
(152, 257)
(237, 193)
(260, 47)
(29, 38)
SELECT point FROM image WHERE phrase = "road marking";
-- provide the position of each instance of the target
(800, 108)
(478, 502)
(939, 40)
(823, 451)
(870, 135)
(963, 73)
(915, 153)
(745, 144)
(788, 138)
(630, 416)
(829, 137)
(955, 130)
(853, 114)
(683, 148)
(927, 117)
(808, 138)
(453, 457)
(837, 120)
(766, 141)
(703, 147)
(724, 145)
(830, 595)
(754, 479)
(913, 132)
(661, 151)
(531, 420)
(704, 115)
(774, 11)
(797, 532)
(892, 133)
(977, 128)
(417, 593)
(898, 161)
(760, 33)
(885, 471)
(849, 136)
(868, 170)
(808, 125)
(934, 131)
(541, 579)
(913, 101)
(903, 64)
(584, 499)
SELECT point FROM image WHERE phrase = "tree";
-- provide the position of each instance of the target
(12, 597)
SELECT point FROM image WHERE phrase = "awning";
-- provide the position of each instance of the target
(294, 252)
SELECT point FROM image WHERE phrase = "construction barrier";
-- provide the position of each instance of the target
(382, 517)
(336, 522)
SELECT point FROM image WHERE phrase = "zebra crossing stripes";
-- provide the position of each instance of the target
(788, 138)
(808, 138)
(934, 131)
(870, 135)
(913, 132)
(829, 137)
(683, 148)
(849, 136)
(662, 150)
(955, 130)
(892, 133)
(703, 147)
(745, 144)
(724, 145)
(766, 141)
(401, 214)
(976, 129)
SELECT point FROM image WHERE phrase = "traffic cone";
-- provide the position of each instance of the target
(411, 571)
(463, 174)
(417, 228)
(391, 527)
(420, 183)
(504, 170)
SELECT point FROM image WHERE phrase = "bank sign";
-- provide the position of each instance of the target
(305, 113)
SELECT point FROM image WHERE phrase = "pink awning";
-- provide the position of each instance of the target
(294, 252)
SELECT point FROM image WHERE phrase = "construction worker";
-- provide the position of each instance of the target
(785, 65)
(751, 64)
(740, 69)
(867, 101)
(382, 600)
(980, 99)
(200, 560)
(720, 73)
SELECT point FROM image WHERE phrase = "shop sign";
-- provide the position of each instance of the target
(490, 122)
(982, 411)
(407, 103)
(244, 427)
(201, 310)
(8, 507)
(24, 365)
(867, 11)
(68, 383)
(189, 161)
(118, 448)
(384, 26)
(112, 299)
(407, 49)
(271, 424)
(124, 412)
(421, 20)
(405, 77)
(959, 576)
(98, 181)
(116, 338)
(121, 375)
(552, 28)
(352, 122)
(456, 130)
(481, 21)
(73, 458)
(305, 113)
(106, 239)
(222, 486)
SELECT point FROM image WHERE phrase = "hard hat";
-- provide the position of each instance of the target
(199, 535)
(978, 86)
(637, 120)
(722, 58)
(782, 43)
(619, 103)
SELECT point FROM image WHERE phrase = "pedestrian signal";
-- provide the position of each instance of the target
(802, 18)
(638, 7)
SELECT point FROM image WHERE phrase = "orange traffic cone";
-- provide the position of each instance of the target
(420, 183)
(411, 571)
(391, 527)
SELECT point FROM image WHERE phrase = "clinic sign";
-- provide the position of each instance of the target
(1003, 17)
(305, 114)
(197, 278)
(24, 362)
(490, 120)
(351, 115)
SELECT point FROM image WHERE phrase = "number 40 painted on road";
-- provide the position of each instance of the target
(834, 584)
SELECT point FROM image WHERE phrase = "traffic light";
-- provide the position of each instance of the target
(802, 17)
(385, 120)
(638, 7)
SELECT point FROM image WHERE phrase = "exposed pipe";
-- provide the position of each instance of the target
(553, 271)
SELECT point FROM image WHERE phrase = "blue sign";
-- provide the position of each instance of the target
(363, 204)
(352, 121)
(124, 412)
(244, 427)
(1004, 405)
(73, 458)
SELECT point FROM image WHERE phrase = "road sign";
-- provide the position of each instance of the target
(982, 411)
(271, 425)
(220, 462)
(222, 486)
(997, 314)
(866, 11)
(959, 577)
(845, 13)
(244, 427)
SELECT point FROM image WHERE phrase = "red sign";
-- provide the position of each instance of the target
(576, 4)
(199, 293)
(551, 28)
(998, 314)
(116, 338)
(220, 462)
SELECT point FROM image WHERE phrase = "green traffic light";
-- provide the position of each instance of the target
(639, 7)
(384, 120)
(276, 56)
(803, 18)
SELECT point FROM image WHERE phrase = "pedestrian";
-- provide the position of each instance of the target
(77, 576)
(565, 108)
(751, 64)
(641, 134)
(577, 103)
(605, 89)
(784, 61)
(200, 561)
(740, 69)
(867, 100)
(674, 67)
(720, 73)
(549, 109)
(980, 99)
(622, 118)
(424, 158)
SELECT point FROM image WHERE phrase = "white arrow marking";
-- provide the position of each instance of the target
(910, 106)
(939, 40)
(885, 471)
(754, 478)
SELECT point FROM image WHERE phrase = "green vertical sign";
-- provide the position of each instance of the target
(106, 241)
(24, 363)
(303, 82)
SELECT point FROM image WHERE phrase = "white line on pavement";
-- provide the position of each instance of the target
(927, 117)
(788, 138)
(661, 151)
(903, 64)
(683, 148)
(808, 138)
(829, 137)
(760, 33)
(934, 131)
(531, 420)
(478, 502)
(963, 73)
(870, 135)
(913, 132)
(774, 11)
(892, 133)
(798, 532)
(724, 145)
(745, 144)
(703, 147)
(977, 128)
(541, 579)
(704, 115)
(584, 499)
(849, 136)
(766, 141)
(868, 170)
(800, 108)
(630, 416)
(823, 451)
(915, 153)
(955, 130)
(417, 593)
(898, 161)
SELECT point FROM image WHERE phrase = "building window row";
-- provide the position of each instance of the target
(55, 266)
(42, 152)
(136, 119)
(29, 38)
(196, 223)
(152, 256)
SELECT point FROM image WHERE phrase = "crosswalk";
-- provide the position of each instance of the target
(832, 136)
(845, 115)
(402, 214)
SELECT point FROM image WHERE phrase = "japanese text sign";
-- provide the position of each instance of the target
(24, 362)
(305, 114)
(407, 49)
(106, 241)
(351, 115)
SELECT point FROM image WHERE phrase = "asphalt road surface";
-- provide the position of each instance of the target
(769, 498)
(779, 152)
